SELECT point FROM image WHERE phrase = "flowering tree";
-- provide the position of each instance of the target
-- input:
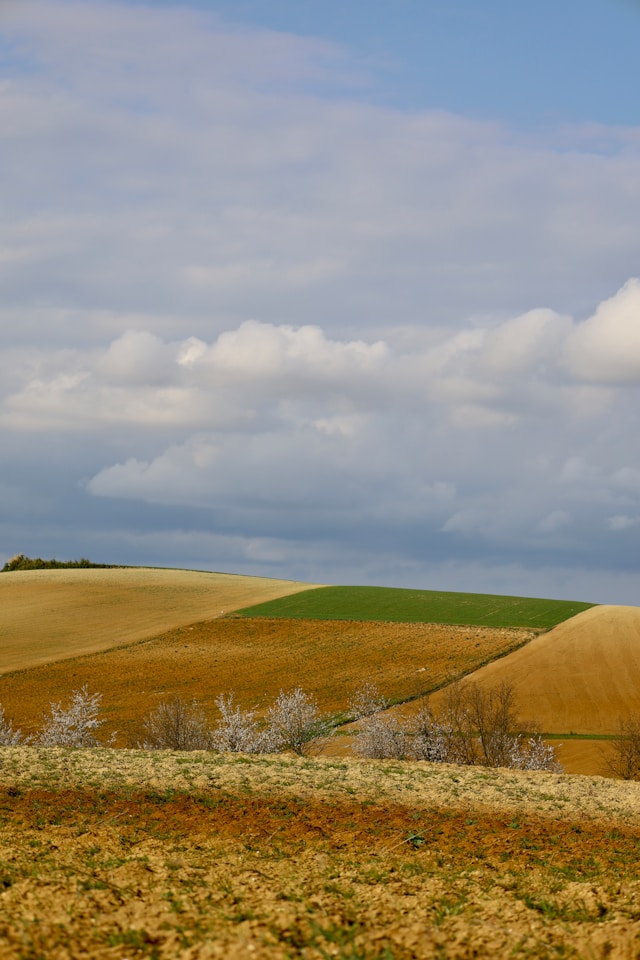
(239, 731)
(295, 722)
(377, 736)
(76, 725)
(9, 737)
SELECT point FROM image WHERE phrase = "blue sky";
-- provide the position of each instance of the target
(523, 63)
(346, 293)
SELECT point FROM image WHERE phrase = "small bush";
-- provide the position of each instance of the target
(75, 726)
(9, 737)
(624, 759)
(176, 725)
(535, 754)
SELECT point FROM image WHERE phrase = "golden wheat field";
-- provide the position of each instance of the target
(124, 854)
(582, 675)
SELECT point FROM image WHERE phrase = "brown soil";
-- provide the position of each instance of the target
(256, 658)
(111, 854)
(47, 615)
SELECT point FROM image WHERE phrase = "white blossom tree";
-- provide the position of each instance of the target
(9, 736)
(76, 725)
(296, 724)
(240, 731)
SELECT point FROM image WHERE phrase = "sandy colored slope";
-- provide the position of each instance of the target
(581, 676)
(48, 615)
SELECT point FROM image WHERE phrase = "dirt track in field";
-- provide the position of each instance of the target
(47, 615)
(112, 854)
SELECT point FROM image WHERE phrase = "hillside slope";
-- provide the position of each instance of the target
(48, 615)
(581, 676)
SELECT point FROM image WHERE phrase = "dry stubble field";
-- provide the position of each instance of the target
(122, 854)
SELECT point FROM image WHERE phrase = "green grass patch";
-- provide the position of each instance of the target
(418, 606)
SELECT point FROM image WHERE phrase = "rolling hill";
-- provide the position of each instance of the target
(580, 676)
(47, 615)
(137, 635)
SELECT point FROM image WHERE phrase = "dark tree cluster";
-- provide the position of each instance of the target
(20, 562)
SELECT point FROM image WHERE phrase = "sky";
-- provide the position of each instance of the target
(333, 292)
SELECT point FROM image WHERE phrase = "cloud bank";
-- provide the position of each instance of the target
(254, 320)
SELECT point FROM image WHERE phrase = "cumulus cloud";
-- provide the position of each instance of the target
(606, 347)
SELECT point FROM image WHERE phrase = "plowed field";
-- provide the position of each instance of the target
(255, 659)
(47, 615)
(112, 854)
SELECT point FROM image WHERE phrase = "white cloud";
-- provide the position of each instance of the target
(326, 326)
(606, 347)
(165, 163)
(137, 357)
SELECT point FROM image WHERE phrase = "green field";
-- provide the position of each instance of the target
(418, 606)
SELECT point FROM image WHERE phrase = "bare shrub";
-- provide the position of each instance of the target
(76, 725)
(9, 737)
(239, 731)
(624, 759)
(176, 725)
(295, 722)
(457, 728)
(480, 726)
